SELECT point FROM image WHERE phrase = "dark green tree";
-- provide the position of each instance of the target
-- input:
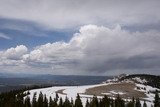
(138, 104)
(34, 100)
(94, 102)
(57, 97)
(51, 103)
(19, 100)
(27, 102)
(119, 102)
(156, 100)
(87, 103)
(105, 101)
(131, 103)
(45, 102)
(40, 100)
(60, 103)
(144, 104)
(72, 102)
(112, 103)
(78, 102)
(67, 103)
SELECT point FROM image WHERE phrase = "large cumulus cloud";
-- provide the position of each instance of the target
(94, 49)
(12, 56)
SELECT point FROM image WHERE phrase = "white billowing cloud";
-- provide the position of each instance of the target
(73, 13)
(11, 59)
(15, 53)
(3, 36)
(94, 49)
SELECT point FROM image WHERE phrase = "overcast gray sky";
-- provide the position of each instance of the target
(86, 37)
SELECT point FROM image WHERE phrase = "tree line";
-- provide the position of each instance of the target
(19, 98)
(151, 80)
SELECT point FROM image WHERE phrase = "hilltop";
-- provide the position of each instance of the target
(127, 86)
(146, 79)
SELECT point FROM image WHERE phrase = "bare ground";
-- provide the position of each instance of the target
(61, 92)
(127, 88)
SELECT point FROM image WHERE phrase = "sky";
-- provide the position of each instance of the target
(80, 37)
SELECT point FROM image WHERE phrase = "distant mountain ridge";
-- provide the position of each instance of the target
(146, 79)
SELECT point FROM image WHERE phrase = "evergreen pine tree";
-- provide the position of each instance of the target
(51, 103)
(144, 104)
(119, 102)
(27, 102)
(40, 100)
(78, 102)
(34, 100)
(72, 102)
(67, 103)
(57, 97)
(105, 101)
(45, 102)
(87, 103)
(19, 100)
(131, 103)
(60, 103)
(138, 104)
(157, 100)
(112, 103)
(55, 102)
(94, 102)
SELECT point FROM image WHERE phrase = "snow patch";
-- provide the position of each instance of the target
(117, 92)
(139, 80)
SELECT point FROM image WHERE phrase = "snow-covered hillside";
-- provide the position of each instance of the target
(68, 91)
(72, 91)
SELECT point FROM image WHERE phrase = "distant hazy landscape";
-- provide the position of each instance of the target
(11, 81)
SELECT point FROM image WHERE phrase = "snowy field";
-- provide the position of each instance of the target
(68, 91)
(72, 91)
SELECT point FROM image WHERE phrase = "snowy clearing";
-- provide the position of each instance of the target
(72, 91)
